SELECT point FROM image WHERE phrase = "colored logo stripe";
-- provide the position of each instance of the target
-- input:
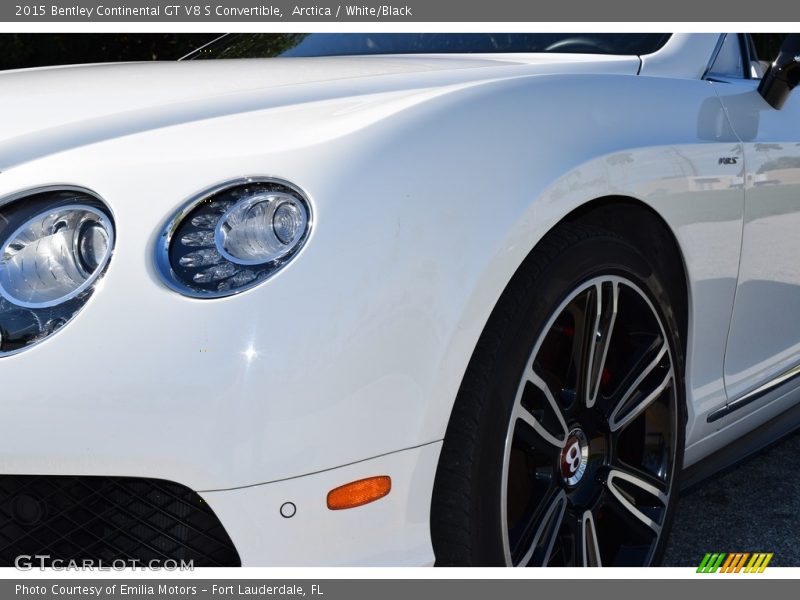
(758, 563)
(711, 563)
(734, 562)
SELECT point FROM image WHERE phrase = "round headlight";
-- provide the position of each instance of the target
(233, 237)
(54, 247)
(54, 256)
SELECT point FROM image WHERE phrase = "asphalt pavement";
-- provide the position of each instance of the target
(752, 507)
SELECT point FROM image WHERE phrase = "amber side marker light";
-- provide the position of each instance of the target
(359, 493)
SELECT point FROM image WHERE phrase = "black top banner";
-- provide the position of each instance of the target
(372, 11)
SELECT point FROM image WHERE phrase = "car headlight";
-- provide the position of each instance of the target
(54, 247)
(233, 237)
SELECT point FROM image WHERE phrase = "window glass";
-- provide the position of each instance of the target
(728, 62)
(264, 45)
(766, 45)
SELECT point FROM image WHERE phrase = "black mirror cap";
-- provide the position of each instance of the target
(784, 74)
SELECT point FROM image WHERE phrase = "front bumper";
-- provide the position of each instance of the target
(392, 531)
(113, 521)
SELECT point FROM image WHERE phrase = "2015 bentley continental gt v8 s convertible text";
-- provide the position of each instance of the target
(460, 299)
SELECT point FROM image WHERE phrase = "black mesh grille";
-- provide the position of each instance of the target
(104, 519)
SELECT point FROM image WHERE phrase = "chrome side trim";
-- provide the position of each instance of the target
(749, 397)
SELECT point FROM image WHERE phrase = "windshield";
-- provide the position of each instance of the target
(265, 45)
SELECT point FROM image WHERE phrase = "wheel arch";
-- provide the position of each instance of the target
(625, 216)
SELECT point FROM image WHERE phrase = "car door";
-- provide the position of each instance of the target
(763, 350)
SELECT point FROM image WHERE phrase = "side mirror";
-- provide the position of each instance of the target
(784, 73)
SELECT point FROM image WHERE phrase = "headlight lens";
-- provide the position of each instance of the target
(260, 229)
(54, 256)
(234, 237)
(54, 247)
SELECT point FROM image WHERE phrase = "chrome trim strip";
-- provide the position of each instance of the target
(752, 396)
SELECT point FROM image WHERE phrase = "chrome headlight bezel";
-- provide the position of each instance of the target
(174, 275)
(26, 207)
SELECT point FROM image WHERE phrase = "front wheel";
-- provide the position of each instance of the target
(567, 435)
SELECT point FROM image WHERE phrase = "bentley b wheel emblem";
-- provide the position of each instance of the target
(574, 457)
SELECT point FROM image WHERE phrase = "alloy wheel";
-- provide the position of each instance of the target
(590, 450)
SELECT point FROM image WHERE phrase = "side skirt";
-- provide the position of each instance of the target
(753, 442)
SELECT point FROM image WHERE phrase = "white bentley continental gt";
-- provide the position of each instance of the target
(392, 299)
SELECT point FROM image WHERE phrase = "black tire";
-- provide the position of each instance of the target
(467, 527)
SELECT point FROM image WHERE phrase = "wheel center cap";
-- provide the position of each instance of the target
(574, 457)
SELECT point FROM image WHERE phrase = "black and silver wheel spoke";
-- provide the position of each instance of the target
(537, 407)
(640, 359)
(598, 332)
(645, 389)
(532, 542)
(590, 549)
(642, 498)
(534, 440)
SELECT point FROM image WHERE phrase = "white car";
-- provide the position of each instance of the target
(395, 299)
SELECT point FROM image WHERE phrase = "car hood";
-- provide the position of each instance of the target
(48, 110)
